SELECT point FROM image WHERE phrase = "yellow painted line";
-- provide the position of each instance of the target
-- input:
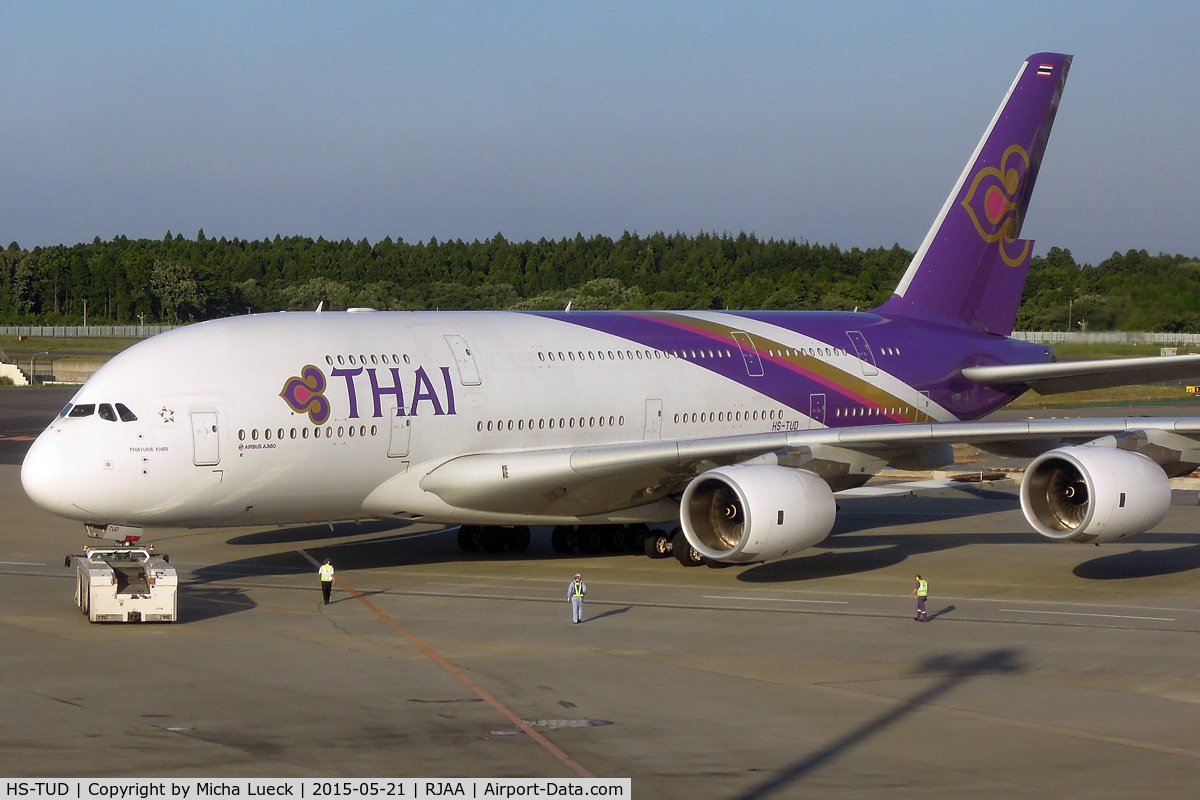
(483, 694)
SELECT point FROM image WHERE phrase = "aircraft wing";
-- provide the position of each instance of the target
(1073, 376)
(595, 479)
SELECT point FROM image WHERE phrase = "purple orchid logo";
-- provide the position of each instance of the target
(992, 200)
(306, 394)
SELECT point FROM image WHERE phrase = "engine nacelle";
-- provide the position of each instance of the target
(753, 512)
(1094, 494)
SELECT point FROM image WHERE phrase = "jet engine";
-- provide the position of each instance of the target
(1094, 494)
(754, 512)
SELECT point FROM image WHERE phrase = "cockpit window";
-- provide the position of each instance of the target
(66, 410)
(83, 410)
(126, 414)
(107, 413)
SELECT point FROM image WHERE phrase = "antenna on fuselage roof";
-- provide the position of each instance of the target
(320, 305)
(568, 309)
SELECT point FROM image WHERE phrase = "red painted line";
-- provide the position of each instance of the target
(483, 694)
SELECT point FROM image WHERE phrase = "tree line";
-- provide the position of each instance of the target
(176, 279)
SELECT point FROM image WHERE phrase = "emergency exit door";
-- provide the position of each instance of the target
(816, 410)
(206, 450)
(754, 366)
(866, 358)
(400, 436)
(468, 372)
(653, 429)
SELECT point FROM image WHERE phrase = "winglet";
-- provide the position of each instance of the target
(972, 265)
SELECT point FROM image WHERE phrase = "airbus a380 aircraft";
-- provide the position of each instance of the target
(742, 425)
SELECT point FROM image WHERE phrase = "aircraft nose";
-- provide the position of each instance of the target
(44, 473)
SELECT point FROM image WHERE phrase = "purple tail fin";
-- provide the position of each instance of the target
(972, 265)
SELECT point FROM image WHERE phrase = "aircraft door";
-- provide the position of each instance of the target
(400, 436)
(654, 408)
(206, 450)
(754, 367)
(468, 372)
(816, 410)
(866, 358)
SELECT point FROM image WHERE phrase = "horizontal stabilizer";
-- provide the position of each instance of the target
(1076, 376)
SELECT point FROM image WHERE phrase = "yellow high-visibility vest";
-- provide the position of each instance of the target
(326, 572)
(922, 588)
(578, 588)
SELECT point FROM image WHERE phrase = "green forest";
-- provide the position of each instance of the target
(176, 279)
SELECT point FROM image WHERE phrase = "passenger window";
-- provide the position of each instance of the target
(125, 414)
(83, 410)
(107, 413)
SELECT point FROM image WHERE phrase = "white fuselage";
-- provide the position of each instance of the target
(231, 428)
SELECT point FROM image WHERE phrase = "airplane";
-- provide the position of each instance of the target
(742, 425)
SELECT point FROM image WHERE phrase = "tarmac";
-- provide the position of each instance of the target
(1048, 670)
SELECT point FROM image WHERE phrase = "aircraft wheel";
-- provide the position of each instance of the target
(684, 552)
(616, 539)
(638, 532)
(563, 539)
(657, 545)
(493, 540)
(517, 538)
(470, 538)
(591, 540)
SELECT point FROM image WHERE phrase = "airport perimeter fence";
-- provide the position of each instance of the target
(1106, 337)
(76, 331)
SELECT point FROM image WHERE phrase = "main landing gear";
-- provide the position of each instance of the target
(586, 539)
(493, 539)
(592, 539)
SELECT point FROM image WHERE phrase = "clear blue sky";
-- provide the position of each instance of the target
(832, 122)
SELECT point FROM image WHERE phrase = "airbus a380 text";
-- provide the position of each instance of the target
(741, 425)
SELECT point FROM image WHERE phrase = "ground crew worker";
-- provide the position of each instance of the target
(921, 590)
(576, 589)
(326, 580)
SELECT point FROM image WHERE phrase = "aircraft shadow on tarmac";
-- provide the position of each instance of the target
(387, 548)
(850, 549)
(874, 553)
(204, 602)
(1143, 563)
(951, 671)
(317, 533)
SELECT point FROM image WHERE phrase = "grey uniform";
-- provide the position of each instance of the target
(576, 589)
